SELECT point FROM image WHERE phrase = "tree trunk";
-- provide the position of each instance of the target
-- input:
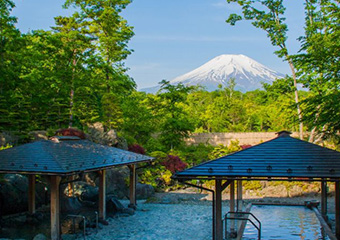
(297, 99)
(74, 63)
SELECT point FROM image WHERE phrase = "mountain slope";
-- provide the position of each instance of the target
(248, 74)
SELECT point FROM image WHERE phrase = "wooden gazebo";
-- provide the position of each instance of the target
(67, 156)
(281, 159)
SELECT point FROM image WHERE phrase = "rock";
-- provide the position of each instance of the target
(16, 221)
(113, 205)
(122, 143)
(103, 222)
(35, 218)
(144, 191)
(38, 135)
(40, 236)
(129, 211)
(85, 191)
(111, 137)
(8, 138)
(116, 184)
(15, 188)
(98, 134)
(166, 200)
(70, 204)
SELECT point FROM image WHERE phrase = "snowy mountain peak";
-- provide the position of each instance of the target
(248, 73)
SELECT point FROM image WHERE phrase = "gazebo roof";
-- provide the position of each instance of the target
(281, 157)
(64, 157)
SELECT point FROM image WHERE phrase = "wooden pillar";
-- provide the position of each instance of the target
(55, 211)
(218, 210)
(102, 195)
(31, 194)
(232, 206)
(133, 182)
(337, 209)
(239, 196)
(324, 200)
(232, 196)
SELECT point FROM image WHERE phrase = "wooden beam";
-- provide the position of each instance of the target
(324, 200)
(102, 195)
(31, 194)
(218, 210)
(337, 209)
(55, 211)
(239, 196)
(226, 184)
(133, 184)
(324, 224)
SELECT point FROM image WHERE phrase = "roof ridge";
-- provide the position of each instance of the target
(48, 148)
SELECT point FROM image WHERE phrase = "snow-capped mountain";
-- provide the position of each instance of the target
(248, 74)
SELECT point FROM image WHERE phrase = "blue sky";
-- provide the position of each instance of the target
(176, 36)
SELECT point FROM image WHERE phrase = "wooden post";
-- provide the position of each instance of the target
(239, 196)
(232, 206)
(55, 226)
(31, 194)
(232, 196)
(102, 195)
(324, 200)
(337, 209)
(218, 210)
(133, 182)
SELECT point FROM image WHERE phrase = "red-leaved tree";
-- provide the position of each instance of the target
(136, 149)
(174, 163)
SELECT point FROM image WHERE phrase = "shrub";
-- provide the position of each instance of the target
(70, 132)
(5, 147)
(222, 150)
(174, 164)
(136, 149)
(245, 146)
(193, 154)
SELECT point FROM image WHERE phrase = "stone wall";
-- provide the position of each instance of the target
(244, 138)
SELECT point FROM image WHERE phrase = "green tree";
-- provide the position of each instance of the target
(175, 124)
(139, 122)
(318, 66)
(268, 15)
(77, 48)
(11, 96)
(110, 33)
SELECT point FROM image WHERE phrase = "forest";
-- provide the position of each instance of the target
(74, 75)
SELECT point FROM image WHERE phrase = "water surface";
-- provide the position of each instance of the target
(285, 223)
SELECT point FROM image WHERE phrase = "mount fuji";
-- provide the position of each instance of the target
(248, 74)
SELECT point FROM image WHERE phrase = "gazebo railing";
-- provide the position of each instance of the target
(84, 223)
(243, 216)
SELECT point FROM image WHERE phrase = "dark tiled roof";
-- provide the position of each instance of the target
(64, 157)
(281, 157)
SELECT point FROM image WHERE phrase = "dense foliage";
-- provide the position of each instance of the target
(71, 75)
(74, 75)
